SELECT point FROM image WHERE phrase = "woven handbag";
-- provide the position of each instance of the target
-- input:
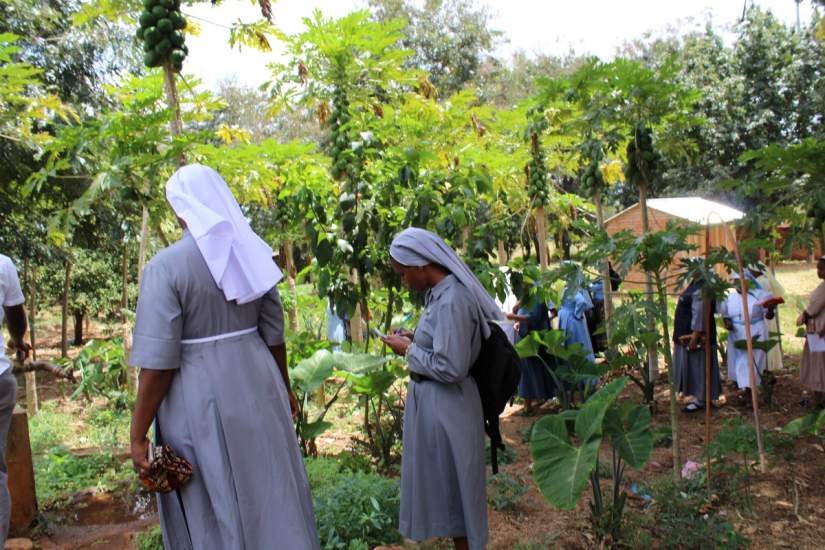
(167, 471)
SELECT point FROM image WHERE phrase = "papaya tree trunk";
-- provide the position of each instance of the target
(674, 408)
(652, 359)
(79, 316)
(30, 377)
(289, 266)
(541, 237)
(606, 283)
(176, 124)
(355, 331)
(144, 241)
(64, 314)
(502, 254)
(465, 239)
(126, 330)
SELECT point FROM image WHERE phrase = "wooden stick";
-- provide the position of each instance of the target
(763, 463)
(708, 318)
(19, 367)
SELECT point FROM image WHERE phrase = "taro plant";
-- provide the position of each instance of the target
(308, 376)
(564, 464)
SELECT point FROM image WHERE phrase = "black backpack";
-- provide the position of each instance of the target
(497, 372)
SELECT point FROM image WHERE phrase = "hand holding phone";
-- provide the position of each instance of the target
(377, 333)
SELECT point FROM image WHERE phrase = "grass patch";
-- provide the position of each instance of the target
(59, 475)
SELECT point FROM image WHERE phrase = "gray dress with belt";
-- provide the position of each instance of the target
(226, 412)
(443, 478)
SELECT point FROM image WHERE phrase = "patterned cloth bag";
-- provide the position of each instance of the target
(167, 471)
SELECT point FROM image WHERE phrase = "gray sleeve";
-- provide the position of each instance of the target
(456, 344)
(271, 318)
(697, 307)
(158, 323)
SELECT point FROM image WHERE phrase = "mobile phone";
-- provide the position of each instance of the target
(377, 333)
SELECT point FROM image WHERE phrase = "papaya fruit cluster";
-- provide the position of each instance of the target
(641, 155)
(161, 30)
(591, 177)
(340, 150)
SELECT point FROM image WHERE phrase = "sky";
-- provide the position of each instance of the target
(552, 27)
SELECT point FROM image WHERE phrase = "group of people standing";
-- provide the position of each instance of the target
(209, 342)
(763, 294)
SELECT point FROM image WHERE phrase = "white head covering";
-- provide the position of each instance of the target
(416, 247)
(239, 260)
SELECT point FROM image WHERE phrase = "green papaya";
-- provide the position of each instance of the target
(139, 33)
(151, 59)
(177, 66)
(164, 25)
(178, 20)
(147, 46)
(177, 39)
(177, 56)
(162, 48)
(160, 12)
(168, 4)
(152, 35)
(146, 19)
(148, 4)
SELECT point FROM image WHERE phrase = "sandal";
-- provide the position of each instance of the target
(693, 407)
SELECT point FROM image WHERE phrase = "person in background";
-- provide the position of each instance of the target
(734, 319)
(767, 282)
(443, 475)
(336, 328)
(209, 341)
(536, 385)
(575, 304)
(11, 297)
(689, 347)
(812, 366)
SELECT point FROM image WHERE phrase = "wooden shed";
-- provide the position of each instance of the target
(688, 209)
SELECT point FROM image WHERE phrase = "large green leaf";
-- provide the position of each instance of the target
(312, 430)
(310, 373)
(561, 469)
(374, 383)
(629, 430)
(811, 424)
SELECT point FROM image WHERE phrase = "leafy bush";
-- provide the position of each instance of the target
(151, 539)
(61, 474)
(504, 490)
(49, 428)
(322, 472)
(683, 518)
(356, 511)
(103, 369)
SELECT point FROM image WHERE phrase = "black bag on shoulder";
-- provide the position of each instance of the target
(497, 372)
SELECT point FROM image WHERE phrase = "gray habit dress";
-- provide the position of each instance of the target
(227, 411)
(689, 366)
(443, 477)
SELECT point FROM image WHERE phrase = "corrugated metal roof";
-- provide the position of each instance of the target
(695, 209)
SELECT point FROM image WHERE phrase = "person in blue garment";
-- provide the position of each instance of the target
(575, 303)
(536, 384)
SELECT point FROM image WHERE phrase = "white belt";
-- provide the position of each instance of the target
(219, 336)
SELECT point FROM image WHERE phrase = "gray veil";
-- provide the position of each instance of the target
(415, 247)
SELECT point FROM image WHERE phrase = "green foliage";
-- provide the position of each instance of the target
(504, 490)
(151, 539)
(102, 368)
(49, 428)
(504, 456)
(159, 29)
(811, 424)
(59, 475)
(357, 509)
(682, 517)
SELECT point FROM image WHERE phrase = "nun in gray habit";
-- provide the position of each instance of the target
(443, 489)
(209, 341)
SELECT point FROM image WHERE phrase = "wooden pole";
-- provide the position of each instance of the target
(708, 319)
(32, 405)
(64, 321)
(763, 462)
(502, 254)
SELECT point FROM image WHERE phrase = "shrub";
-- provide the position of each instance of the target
(61, 474)
(356, 511)
(683, 518)
(504, 490)
(504, 456)
(151, 539)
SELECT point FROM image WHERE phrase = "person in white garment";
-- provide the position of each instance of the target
(12, 300)
(769, 283)
(733, 317)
